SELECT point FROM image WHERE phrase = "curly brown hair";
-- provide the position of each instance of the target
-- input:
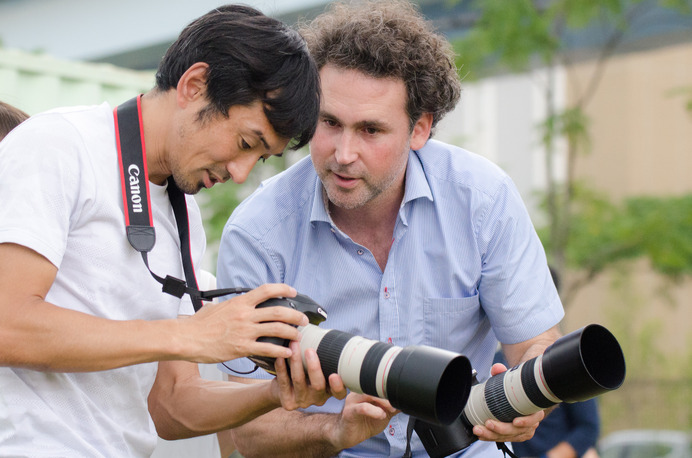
(389, 39)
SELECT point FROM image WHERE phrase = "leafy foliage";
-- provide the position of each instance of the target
(585, 231)
(602, 233)
(511, 35)
(572, 124)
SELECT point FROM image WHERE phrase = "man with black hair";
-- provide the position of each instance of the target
(95, 359)
(401, 238)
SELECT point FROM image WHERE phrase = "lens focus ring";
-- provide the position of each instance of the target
(497, 401)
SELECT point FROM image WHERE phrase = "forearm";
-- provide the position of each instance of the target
(518, 353)
(64, 340)
(184, 405)
(36, 334)
(285, 434)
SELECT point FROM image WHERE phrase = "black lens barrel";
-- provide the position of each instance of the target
(424, 382)
(584, 364)
(430, 383)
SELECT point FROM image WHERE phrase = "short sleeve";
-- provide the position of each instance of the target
(39, 186)
(516, 288)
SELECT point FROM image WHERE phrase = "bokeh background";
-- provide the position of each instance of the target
(587, 104)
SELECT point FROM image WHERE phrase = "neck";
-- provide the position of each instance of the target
(371, 227)
(156, 117)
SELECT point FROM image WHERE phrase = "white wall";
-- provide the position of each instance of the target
(498, 118)
(38, 82)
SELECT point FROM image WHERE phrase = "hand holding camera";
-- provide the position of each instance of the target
(434, 385)
(424, 382)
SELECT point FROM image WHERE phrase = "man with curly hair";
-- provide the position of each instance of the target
(402, 239)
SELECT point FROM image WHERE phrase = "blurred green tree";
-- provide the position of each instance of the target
(516, 35)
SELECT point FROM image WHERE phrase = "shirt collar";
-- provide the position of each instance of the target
(319, 204)
(416, 187)
(416, 182)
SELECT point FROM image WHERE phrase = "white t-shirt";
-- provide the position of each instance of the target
(60, 195)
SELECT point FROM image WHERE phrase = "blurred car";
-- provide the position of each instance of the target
(646, 443)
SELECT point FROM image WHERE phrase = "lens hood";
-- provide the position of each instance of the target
(584, 364)
(430, 383)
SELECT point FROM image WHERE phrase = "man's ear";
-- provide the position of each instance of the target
(192, 84)
(421, 131)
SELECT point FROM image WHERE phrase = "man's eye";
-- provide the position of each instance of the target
(245, 145)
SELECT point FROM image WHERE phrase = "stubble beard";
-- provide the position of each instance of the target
(186, 185)
(352, 198)
(366, 191)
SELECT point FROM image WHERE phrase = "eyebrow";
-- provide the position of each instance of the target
(359, 125)
(374, 124)
(260, 135)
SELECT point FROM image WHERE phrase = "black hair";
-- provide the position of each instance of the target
(251, 57)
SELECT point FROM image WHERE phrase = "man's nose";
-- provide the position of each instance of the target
(346, 150)
(240, 168)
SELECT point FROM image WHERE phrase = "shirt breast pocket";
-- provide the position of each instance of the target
(451, 323)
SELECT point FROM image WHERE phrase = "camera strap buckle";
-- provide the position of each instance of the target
(139, 226)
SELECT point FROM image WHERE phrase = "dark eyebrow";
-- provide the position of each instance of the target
(371, 124)
(360, 125)
(325, 115)
(260, 135)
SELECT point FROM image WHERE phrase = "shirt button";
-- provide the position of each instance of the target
(386, 295)
(360, 252)
(391, 430)
(332, 229)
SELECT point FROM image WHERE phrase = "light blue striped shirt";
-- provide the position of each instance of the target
(465, 269)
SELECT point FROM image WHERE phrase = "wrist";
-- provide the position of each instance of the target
(269, 398)
(275, 393)
(178, 345)
(331, 433)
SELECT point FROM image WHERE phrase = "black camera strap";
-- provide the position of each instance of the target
(139, 225)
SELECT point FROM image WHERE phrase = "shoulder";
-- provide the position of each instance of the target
(70, 120)
(285, 197)
(62, 133)
(450, 167)
(62, 140)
